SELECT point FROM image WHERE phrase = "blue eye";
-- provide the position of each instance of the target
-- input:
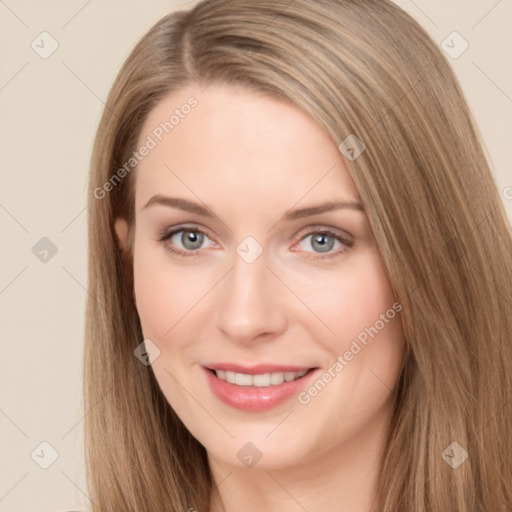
(191, 239)
(323, 241)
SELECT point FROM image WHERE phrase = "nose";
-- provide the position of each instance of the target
(252, 304)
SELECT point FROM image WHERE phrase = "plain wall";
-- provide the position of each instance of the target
(50, 111)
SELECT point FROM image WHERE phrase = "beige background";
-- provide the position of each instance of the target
(50, 110)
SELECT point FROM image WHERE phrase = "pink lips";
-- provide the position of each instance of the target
(254, 398)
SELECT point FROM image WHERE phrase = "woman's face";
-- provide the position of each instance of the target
(241, 262)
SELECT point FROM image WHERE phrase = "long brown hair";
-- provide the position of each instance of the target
(361, 67)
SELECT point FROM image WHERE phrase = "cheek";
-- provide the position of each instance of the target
(365, 354)
(369, 333)
(349, 300)
(165, 293)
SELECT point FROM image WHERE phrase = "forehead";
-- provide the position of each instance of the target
(228, 139)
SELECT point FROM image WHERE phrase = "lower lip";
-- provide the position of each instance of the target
(254, 398)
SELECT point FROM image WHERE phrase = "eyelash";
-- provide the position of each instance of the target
(163, 236)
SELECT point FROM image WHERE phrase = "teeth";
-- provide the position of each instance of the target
(260, 380)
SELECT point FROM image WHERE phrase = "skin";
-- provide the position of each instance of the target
(251, 159)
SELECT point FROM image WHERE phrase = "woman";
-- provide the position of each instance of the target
(300, 271)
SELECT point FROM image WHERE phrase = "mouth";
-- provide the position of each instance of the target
(253, 391)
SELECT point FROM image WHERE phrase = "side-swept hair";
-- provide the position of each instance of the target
(360, 67)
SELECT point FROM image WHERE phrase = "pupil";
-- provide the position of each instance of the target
(323, 240)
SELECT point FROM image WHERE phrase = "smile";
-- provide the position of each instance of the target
(256, 392)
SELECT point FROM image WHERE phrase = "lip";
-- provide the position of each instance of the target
(254, 398)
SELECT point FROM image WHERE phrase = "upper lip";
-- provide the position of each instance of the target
(256, 369)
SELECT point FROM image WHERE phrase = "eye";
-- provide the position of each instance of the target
(190, 239)
(325, 243)
(185, 241)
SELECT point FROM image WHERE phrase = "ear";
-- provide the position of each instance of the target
(122, 231)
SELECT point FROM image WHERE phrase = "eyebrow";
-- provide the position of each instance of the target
(293, 214)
